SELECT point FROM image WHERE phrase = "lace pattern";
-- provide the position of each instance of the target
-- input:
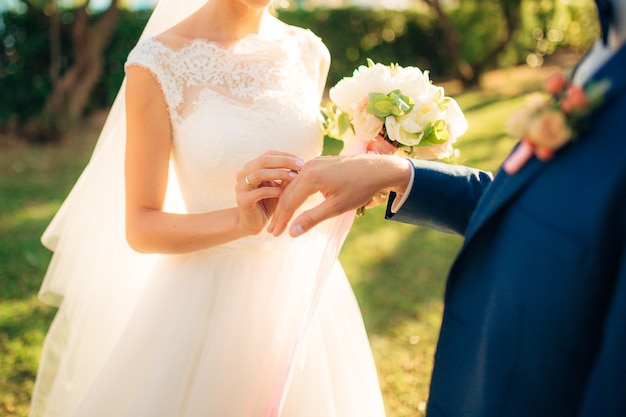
(244, 72)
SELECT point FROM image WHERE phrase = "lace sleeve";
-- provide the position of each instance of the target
(152, 56)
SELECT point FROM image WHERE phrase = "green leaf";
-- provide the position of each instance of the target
(379, 105)
(343, 123)
(401, 104)
(383, 108)
(435, 134)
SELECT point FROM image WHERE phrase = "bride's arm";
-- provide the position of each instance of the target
(148, 147)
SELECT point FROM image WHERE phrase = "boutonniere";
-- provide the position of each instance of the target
(549, 121)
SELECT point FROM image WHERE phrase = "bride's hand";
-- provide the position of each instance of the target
(259, 184)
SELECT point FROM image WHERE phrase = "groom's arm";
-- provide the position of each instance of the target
(442, 196)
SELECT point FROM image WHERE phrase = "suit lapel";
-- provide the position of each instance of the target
(505, 186)
(501, 191)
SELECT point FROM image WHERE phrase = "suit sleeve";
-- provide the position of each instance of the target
(443, 196)
(605, 395)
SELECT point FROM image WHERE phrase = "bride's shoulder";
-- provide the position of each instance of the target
(302, 34)
(146, 51)
(155, 50)
(308, 40)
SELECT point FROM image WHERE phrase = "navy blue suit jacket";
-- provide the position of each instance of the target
(534, 323)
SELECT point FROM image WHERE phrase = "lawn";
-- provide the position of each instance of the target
(397, 271)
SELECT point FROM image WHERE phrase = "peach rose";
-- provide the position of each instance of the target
(366, 125)
(549, 130)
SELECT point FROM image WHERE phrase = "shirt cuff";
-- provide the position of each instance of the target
(401, 198)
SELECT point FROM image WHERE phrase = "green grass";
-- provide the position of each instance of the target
(398, 271)
(34, 181)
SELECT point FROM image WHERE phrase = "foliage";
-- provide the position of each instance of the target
(25, 81)
(24, 57)
(550, 25)
(353, 34)
(129, 30)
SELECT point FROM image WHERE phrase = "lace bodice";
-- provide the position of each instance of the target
(229, 105)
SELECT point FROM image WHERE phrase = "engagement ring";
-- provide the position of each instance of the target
(250, 185)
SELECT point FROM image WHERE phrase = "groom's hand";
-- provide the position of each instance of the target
(346, 182)
(330, 175)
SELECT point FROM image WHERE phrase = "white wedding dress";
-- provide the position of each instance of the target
(261, 326)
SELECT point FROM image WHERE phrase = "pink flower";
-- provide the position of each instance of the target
(549, 130)
(381, 146)
(366, 125)
(575, 99)
(556, 83)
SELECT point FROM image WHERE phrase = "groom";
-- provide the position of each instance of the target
(535, 306)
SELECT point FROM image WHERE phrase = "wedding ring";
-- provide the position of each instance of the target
(250, 185)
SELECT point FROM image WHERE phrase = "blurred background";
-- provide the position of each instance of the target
(61, 64)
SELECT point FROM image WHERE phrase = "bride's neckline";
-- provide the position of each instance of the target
(252, 37)
(279, 30)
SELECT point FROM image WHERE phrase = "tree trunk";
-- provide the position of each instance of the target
(511, 10)
(70, 91)
(469, 73)
(450, 39)
(55, 42)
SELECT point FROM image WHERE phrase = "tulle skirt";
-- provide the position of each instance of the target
(230, 331)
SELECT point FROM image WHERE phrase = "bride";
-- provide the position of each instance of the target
(173, 301)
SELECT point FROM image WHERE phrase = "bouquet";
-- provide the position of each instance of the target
(390, 109)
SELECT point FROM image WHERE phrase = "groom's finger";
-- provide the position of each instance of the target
(294, 195)
(311, 218)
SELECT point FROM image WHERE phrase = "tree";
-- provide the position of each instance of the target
(71, 86)
(469, 72)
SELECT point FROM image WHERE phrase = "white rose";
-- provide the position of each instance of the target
(405, 130)
(411, 81)
(351, 91)
(455, 119)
